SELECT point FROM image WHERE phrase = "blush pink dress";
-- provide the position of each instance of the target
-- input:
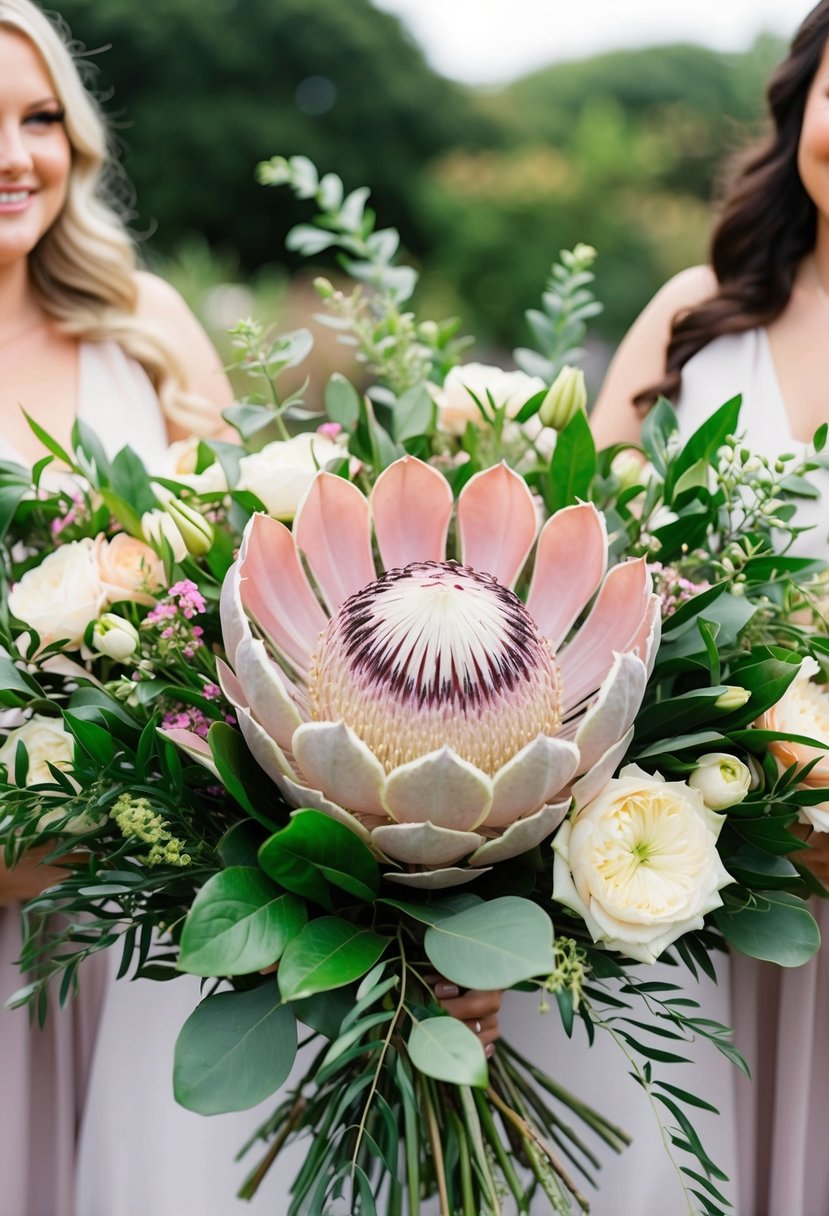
(45, 1073)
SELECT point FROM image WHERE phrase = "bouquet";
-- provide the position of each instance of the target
(426, 688)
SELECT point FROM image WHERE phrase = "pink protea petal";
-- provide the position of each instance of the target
(530, 779)
(423, 844)
(331, 758)
(612, 713)
(614, 622)
(522, 836)
(440, 787)
(333, 530)
(273, 590)
(266, 751)
(411, 505)
(437, 880)
(593, 782)
(646, 641)
(497, 523)
(266, 693)
(570, 563)
(193, 744)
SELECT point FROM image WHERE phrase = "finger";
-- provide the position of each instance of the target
(473, 1004)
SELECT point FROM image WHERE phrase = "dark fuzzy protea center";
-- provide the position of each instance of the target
(437, 654)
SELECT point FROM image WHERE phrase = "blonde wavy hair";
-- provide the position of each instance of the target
(84, 268)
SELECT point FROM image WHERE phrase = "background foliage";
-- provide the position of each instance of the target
(620, 150)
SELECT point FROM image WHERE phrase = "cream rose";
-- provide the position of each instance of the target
(640, 863)
(804, 710)
(129, 569)
(280, 474)
(456, 406)
(62, 595)
(46, 742)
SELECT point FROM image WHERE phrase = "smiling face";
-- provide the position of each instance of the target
(35, 154)
(813, 149)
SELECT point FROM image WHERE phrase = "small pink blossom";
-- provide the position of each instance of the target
(673, 589)
(211, 691)
(330, 429)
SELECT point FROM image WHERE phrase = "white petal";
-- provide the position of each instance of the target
(442, 788)
(266, 751)
(265, 691)
(612, 713)
(531, 779)
(193, 744)
(595, 779)
(333, 759)
(436, 880)
(424, 844)
(523, 835)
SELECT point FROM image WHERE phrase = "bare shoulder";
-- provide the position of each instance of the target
(686, 289)
(162, 306)
(159, 300)
(640, 360)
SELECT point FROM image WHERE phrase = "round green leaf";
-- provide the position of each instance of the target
(328, 953)
(314, 844)
(771, 925)
(240, 922)
(447, 1050)
(494, 945)
(234, 1050)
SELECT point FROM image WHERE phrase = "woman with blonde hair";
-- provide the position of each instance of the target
(83, 333)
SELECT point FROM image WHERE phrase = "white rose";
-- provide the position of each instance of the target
(456, 407)
(280, 474)
(46, 741)
(62, 595)
(157, 525)
(723, 780)
(182, 457)
(640, 863)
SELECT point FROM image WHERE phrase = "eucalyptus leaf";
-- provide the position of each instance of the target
(314, 845)
(447, 1050)
(234, 1050)
(772, 926)
(240, 922)
(328, 953)
(494, 945)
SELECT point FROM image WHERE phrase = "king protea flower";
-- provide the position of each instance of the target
(445, 721)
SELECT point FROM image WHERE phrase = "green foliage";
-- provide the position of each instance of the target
(234, 1050)
(497, 944)
(238, 924)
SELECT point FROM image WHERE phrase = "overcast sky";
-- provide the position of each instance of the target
(491, 41)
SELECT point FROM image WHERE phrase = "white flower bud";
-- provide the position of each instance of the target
(196, 531)
(734, 696)
(157, 526)
(566, 396)
(113, 636)
(723, 780)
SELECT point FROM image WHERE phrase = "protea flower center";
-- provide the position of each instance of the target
(433, 655)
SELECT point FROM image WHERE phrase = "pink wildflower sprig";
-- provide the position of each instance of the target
(672, 587)
(175, 613)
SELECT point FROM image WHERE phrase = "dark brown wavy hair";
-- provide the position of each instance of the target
(767, 223)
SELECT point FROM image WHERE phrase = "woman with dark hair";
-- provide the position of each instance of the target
(756, 322)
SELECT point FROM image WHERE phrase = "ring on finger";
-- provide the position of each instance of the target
(476, 1029)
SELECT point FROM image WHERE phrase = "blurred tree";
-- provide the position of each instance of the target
(201, 90)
